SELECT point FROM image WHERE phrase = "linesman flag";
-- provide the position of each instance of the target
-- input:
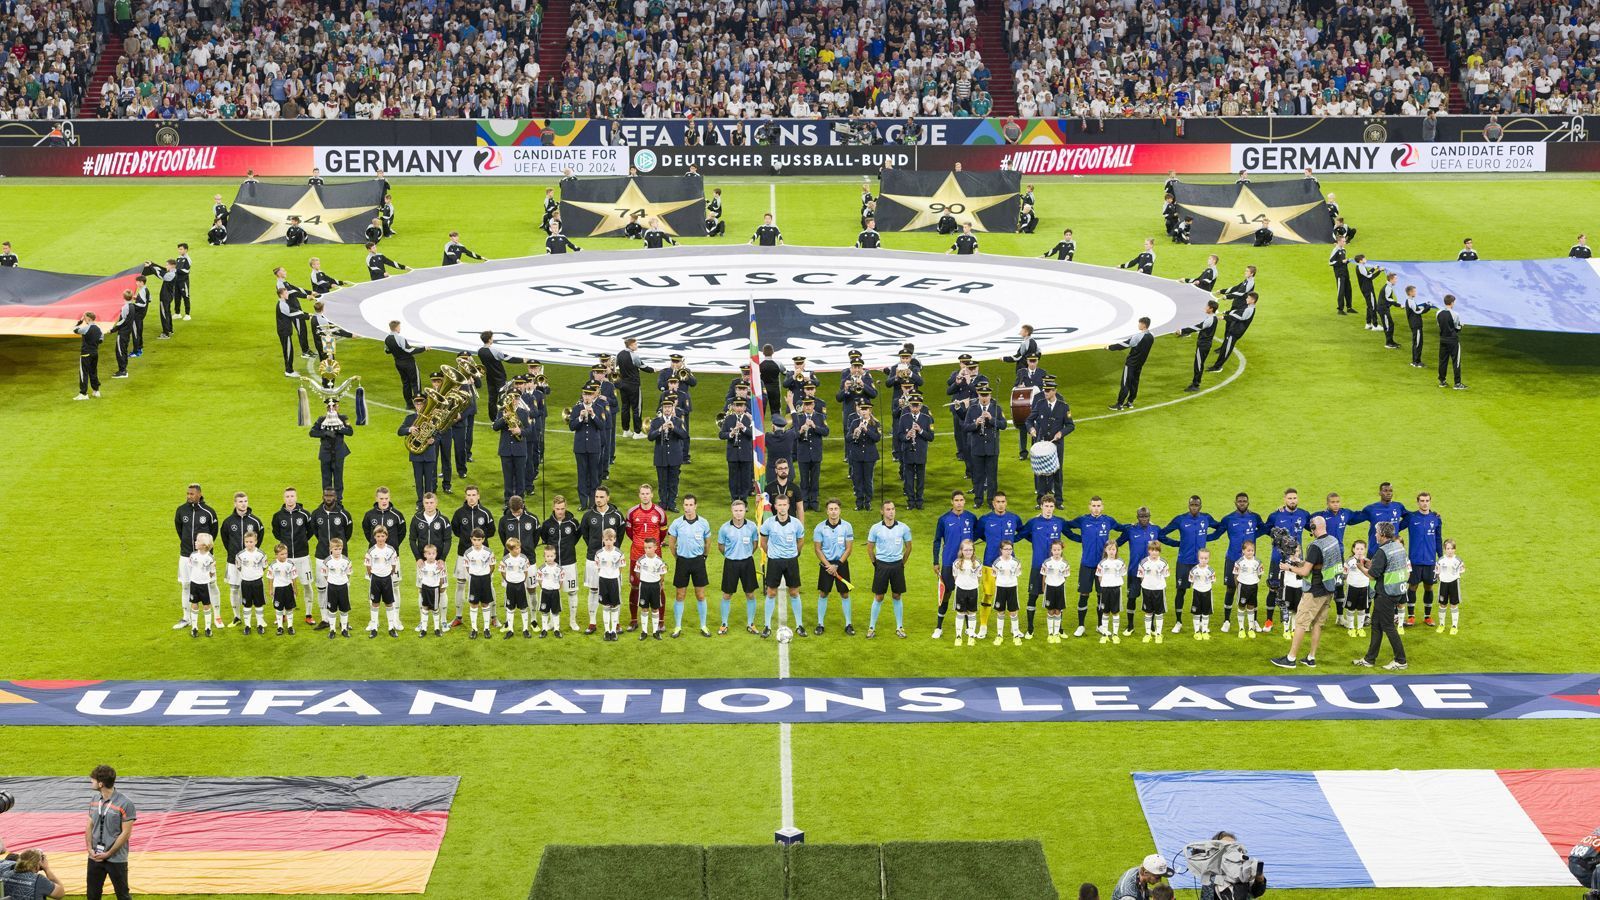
(330, 213)
(603, 207)
(915, 201)
(1230, 213)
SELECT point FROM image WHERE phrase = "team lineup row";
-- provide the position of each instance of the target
(977, 583)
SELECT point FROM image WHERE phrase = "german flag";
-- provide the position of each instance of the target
(48, 304)
(288, 835)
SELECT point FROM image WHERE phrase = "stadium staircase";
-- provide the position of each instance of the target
(553, 44)
(104, 69)
(991, 34)
(1433, 43)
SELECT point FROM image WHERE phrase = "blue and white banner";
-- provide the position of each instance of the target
(1561, 295)
(801, 700)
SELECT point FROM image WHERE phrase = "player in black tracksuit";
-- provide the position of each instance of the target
(1204, 332)
(1138, 347)
(1339, 261)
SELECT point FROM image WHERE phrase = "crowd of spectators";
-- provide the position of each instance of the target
(330, 59)
(1524, 56)
(761, 58)
(49, 49)
(1094, 60)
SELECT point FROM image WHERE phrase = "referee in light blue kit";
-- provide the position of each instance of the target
(737, 540)
(888, 544)
(686, 541)
(780, 541)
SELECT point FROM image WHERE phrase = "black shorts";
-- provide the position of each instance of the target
(1085, 580)
(200, 594)
(1449, 593)
(610, 592)
(1110, 599)
(550, 600)
(1055, 597)
(338, 598)
(1422, 575)
(430, 595)
(1247, 594)
(786, 571)
(283, 598)
(1357, 598)
(480, 589)
(253, 594)
(1155, 602)
(1202, 603)
(966, 600)
(516, 595)
(650, 594)
(889, 578)
(381, 589)
(688, 569)
(1005, 599)
(739, 574)
(826, 581)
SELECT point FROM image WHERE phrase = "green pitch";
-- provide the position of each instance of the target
(87, 548)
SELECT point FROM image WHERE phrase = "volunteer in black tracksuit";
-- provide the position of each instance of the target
(1339, 261)
(169, 291)
(322, 282)
(1450, 340)
(557, 242)
(141, 307)
(966, 242)
(123, 329)
(1235, 324)
(288, 316)
(454, 250)
(1366, 282)
(1138, 347)
(405, 360)
(218, 233)
(1204, 332)
(1145, 262)
(1263, 236)
(1415, 311)
(1064, 249)
(655, 238)
(294, 235)
(90, 337)
(185, 266)
(1207, 279)
(1580, 250)
(377, 262)
(869, 238)
(1467, 254)
(628, 387)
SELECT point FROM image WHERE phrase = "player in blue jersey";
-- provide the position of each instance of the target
(1291, 518)
(1192, 529)
(1385, 510)
(1242, 527)
(1040, 532)
(1093, 531)
(1425, 543)
(953, 527)
(1337, 518)
(1138, 536)
(995, 527)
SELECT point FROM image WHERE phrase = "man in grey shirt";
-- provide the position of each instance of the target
(111, 818)
(1135, 883)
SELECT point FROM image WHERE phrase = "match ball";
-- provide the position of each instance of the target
(785, 634)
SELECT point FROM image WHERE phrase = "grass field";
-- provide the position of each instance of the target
(87, 545)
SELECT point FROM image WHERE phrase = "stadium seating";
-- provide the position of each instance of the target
(49, 51)
(1525, 58)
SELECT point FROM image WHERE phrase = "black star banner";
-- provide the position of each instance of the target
(915, 201)
(330, 213)
(602, 207)
(1232, 213)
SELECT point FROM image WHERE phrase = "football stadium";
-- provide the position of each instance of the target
(1019, 450)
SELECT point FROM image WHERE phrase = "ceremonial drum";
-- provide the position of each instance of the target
(1022, 405)
(1043, 458)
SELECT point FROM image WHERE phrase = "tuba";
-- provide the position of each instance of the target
(508, 410)
(441, 408)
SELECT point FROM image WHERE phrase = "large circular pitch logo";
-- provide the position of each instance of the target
(817, 302)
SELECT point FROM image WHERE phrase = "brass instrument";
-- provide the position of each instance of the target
(508, 410)
(441, 408)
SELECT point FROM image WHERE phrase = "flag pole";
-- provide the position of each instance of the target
(758, 437)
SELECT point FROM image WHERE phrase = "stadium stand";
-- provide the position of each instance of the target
(1521, 56)
(49, 55)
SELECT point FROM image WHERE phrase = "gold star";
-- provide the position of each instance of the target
(614, 216)
(1248, 212)
(948, 198)
(316, 219)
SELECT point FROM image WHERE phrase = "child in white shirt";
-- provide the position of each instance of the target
(337, 568)
(1053, 572)
(431, 574)
(1109, 574)
(651, 568)
(1007, 571)
(608, 573)
(479, 561)
(283, 573)
(967, 572)
(1247, 574)
(251, 565)
(551, 576)
(1153, 592)
(1357, 590)
(202, 582)
(1201, 579)
(514, 576)
(1450, 569)
(383, 571)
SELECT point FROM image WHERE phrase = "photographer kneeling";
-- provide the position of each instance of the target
(27, 876)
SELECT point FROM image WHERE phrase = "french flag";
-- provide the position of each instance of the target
(1385, 829)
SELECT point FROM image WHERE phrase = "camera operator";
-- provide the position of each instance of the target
(1255, 887)
(1320, 566)
(766, 134)
(1584, 863)
(1135, 883)
(27, 876)
(111, 818)
(911, 134)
